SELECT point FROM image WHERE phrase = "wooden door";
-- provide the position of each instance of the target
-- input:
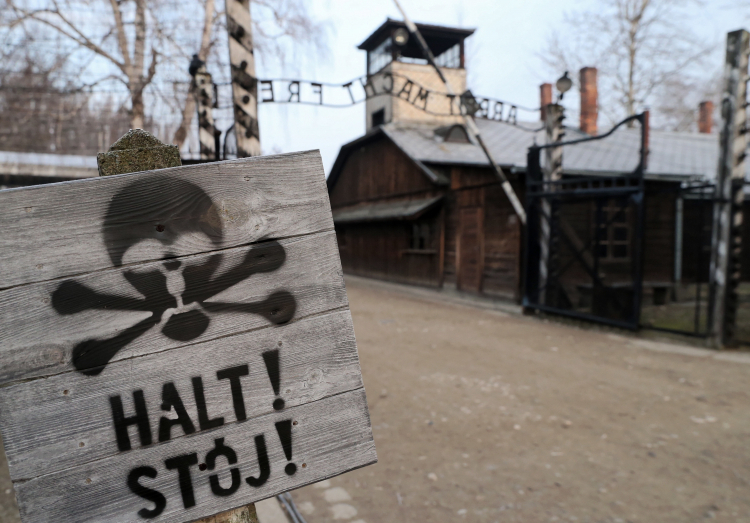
(470, 248)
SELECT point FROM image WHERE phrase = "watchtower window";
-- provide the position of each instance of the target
(379, 57)
(615, 231)
(378, 117)
(421, 236)
(450, 58)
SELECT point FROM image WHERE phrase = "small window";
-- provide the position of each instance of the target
(614, 231)
(450, 58)
(420, 236)
(457, 134)
(378, 117)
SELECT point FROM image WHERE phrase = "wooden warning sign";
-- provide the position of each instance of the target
(175, 343)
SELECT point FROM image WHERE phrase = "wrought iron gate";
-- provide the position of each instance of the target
(584, 240)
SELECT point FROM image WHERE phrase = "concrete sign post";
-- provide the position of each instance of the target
(175, 344)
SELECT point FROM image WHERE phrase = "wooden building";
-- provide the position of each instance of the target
(414, 200)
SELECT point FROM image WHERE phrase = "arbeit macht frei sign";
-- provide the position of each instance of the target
(175, 343)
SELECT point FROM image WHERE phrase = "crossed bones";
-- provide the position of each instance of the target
(185, 319)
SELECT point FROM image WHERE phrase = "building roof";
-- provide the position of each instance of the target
(404, 210)
(63, 166)
(672, 155)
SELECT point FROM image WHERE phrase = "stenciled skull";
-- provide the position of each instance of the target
(168, 210)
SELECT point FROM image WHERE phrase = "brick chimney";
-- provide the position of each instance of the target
(545, 98)
(705, 117)
(589, 101)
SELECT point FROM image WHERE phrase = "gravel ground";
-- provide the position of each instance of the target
(488, 416)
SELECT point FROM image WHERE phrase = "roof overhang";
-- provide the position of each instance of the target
(371, 136)
(387, 211)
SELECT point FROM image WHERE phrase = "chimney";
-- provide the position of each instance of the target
(705, 117)
(545, 98)
(589, 101)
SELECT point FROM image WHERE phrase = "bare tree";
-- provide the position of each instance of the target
(42, 113)
(145, 45)
(644, 51)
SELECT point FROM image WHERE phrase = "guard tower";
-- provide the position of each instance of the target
(395, 65)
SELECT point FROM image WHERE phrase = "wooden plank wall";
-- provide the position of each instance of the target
(476, 187)
(381, 250)
(659, 232)
(377, 170)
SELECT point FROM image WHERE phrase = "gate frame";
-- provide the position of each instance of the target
(538, 188)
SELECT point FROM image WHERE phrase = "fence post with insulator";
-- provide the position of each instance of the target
(244, 82)
(552, 172)
(203, 91)
(726, 241)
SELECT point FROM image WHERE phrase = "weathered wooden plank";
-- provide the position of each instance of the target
(36, 340)
(330, 436)
(55, 423)
(52, 232)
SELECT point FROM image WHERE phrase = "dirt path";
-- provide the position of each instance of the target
(485, 416)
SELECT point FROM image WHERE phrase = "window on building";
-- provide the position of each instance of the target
(379, 57)
(421, 236)
(614, 231)
(378, 117)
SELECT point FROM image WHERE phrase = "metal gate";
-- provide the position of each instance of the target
(584, 240)
(688, 310)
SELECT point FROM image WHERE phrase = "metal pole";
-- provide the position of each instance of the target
(726, 240)
(244, 82)
(468, 120)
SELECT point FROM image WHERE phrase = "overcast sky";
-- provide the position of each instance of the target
(502, 58)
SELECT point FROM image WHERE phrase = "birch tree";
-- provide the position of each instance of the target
(644, 50)
(145, 45)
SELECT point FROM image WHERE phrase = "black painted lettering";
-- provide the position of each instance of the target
(154, 496)
(406, 90)
(233, 374)
(263, 464)
(271, 359)
(183, 464)
(266, 86)
(293, 92)
(122, 423)
(319, 91)
(226, 451)
(204, 421)
(170, 400)
(284, 428)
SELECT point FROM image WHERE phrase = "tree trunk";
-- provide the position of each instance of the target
(136, 113)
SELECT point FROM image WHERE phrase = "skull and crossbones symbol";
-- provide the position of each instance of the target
(174, 292)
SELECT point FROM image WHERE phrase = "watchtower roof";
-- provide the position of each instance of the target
(439, 38)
